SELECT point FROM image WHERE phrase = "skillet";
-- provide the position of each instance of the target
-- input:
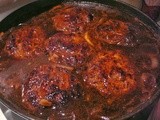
(35, 8)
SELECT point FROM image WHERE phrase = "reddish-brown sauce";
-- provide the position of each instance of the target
(79, 62)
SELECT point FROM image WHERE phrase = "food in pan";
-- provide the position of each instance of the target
(25, 41)
(80, 62)
(72, 19)
(112, 74)
(68, 49)
(47, 85)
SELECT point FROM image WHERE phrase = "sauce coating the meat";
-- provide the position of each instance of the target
(68, 49)
(112, 74)
(82, 62)
(25, 41)
(47, 85)
(72, 19)
(109, 30)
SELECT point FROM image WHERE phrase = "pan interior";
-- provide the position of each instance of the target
(14, 72)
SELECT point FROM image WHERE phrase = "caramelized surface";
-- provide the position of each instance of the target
(112, 74)
(68, 49)
(25, 41)
(48, 85)
(72, 19)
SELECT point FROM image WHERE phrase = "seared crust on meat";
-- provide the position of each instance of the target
(110, 31)
(112, 74)
(72, 19)
(68, 49)
(25, 42)
(48, 85)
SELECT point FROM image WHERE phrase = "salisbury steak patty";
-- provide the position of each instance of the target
(24, 41)
(48, 85)
(110, 31)
(72, 19)
(112, 74)
(68, 49)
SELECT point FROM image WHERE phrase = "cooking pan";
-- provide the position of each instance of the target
(33, 9)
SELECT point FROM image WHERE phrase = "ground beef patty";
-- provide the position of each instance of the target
(112, 74)
(68, 49)
(25, 41)
(48, 85)
(72, 19)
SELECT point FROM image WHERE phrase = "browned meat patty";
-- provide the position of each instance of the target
(112, 74)
(25, 41)
(68, 49)
(109, 31)
(72, 19)
(48, 85)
